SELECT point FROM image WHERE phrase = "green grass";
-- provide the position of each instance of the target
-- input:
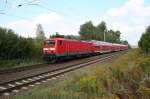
(128, 72)
(8, 64)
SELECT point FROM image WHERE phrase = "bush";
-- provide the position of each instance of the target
(13, 46)
(144, 42)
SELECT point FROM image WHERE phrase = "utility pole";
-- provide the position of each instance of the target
(104, 35)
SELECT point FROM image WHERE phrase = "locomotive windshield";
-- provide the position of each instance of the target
(49, 42)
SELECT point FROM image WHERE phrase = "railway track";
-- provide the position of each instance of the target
(14, 86)
(19, 69)
(31, 71)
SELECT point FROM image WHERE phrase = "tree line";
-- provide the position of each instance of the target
(100, 32)
(13, 46)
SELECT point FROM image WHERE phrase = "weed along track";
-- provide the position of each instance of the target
(9, 87)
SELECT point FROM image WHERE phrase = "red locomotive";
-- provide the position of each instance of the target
(60, 48)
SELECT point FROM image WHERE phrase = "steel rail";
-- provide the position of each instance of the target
(10, 87)
(45, 76)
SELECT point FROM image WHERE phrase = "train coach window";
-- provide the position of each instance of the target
(60, 42)
(49, 42)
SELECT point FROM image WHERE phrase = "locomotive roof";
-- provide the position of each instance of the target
(67, 39)
(100, 42)
(92, 41)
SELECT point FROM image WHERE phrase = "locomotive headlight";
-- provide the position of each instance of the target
(52, 49)
(45, 49)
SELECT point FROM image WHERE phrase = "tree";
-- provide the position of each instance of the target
(125, 42)
(113, 36)
(100, 29)
(90, 32)
(39, 32)
(87, 31)
(13, 46)
(144, 42)
(74, 37)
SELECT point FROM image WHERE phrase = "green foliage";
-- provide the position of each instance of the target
(13, 46)
(72, 37)
(126, 43)
(16, 63)
(87, 85)
(90, 32)
(128, 74)
(144, 42)
(113, 36)
(145, 67)
(87, 31)
(100, 29)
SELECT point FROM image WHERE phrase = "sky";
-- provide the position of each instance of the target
(131, 17)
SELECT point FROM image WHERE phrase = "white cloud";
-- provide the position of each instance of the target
(134, 7)
(51, 22)
(28, 27)
(22, 27)
(131, 19)
(48, 18)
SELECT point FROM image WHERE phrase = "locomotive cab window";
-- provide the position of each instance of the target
(49, 42)
(60, 42)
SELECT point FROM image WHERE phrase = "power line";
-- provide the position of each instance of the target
(31, 3)
(6, 3)
(35, 3)
(46, 8)
(52, 10)
(72, 9)
(3, 12)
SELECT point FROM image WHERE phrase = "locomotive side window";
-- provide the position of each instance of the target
(49, 42)
(60, 42)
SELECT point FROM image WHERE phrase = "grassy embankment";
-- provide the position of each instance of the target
(8, 64)
(128, 73)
